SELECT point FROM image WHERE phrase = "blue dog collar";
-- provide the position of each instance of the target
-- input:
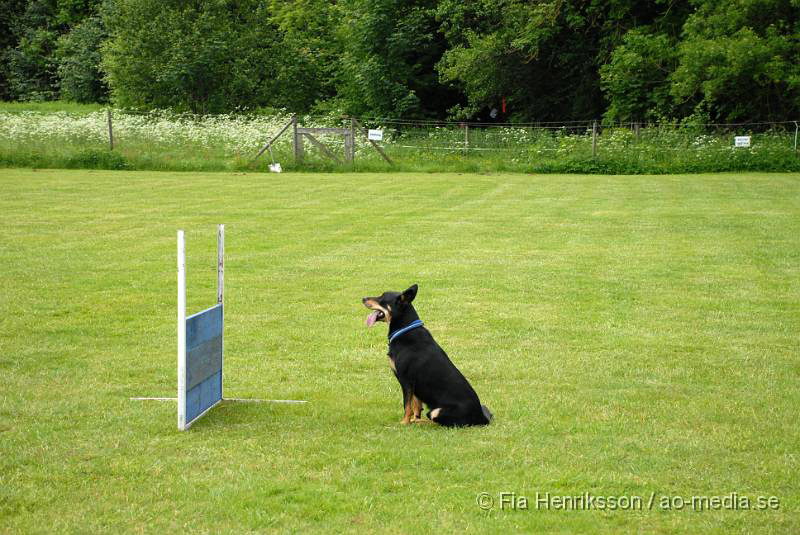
(404, 330)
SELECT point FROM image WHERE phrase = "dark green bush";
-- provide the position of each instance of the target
(97, 159)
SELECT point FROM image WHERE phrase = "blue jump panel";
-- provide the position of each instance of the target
(203, 396)
(203, 361)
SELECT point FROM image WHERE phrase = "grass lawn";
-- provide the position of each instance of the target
(634, 337)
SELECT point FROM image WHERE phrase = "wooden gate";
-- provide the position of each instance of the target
(309, 133)
(301, 132)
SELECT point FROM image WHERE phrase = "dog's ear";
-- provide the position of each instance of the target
(409, 295)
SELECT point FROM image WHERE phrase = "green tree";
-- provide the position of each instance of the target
(30, 33)
(307, 29)
(79, 62)
(739, 60)
(544, 56)
(389, 52)
(540, 55)
(13, 11)
(30, 63)
(636, 80)
(206, 56)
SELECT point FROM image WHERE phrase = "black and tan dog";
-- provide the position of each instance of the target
(425, 373)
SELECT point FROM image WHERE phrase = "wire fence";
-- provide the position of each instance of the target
(582, 136)
(208, 141)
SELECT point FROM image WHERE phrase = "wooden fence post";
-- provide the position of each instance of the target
(110, 130)
(466, 139)
(298, 142)
(349, 144)
(594, 139)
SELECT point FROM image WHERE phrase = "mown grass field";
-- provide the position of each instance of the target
(634, 336)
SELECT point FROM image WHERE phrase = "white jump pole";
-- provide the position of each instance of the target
(181, 331)
(221, 295)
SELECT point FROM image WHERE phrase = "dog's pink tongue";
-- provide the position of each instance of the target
(372, 318)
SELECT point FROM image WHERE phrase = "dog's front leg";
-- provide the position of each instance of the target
(408, 397)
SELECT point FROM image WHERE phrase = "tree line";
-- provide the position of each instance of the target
(489, 60)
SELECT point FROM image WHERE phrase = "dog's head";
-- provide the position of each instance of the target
(388, 304)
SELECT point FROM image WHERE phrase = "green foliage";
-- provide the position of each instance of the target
(219, 56)
(389, 50)
(739, 60)
(30, 62)
(308, 49)
(12, 11)
(551, 60)
(501, 49)
(97, 159)
(30, 34)
(543, 56)
(635, 81)
(79, 62)
(50, 106)
(203, 56)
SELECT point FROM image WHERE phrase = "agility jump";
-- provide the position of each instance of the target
(201, 347)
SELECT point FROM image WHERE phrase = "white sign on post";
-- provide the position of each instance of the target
(741, 141)
(375, 135)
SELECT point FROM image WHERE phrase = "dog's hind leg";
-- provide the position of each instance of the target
(443, 416)
(457, 416)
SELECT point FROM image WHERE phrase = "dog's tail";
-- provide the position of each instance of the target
(487, 413)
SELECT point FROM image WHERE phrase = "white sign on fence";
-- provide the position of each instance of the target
(375, 135)
(741, 141)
